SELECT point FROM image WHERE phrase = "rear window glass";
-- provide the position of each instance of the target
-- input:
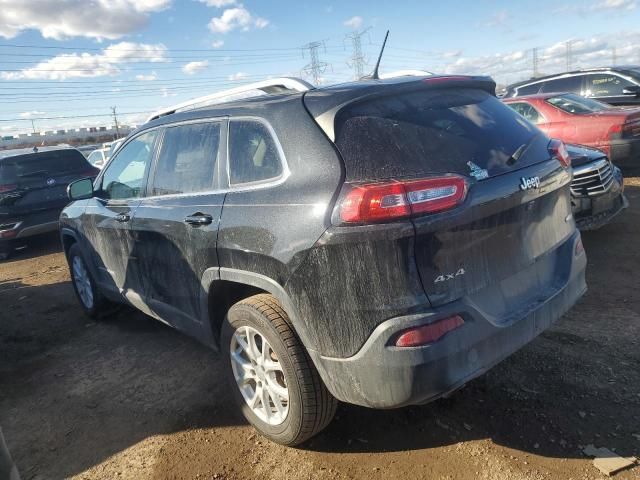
(49, 164)
(529, 89)
(462, 131)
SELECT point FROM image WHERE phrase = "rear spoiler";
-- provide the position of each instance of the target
(325, 103)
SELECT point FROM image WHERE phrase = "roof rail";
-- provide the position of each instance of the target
(271, 86)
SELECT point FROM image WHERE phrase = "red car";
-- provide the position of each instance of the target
(578, 120)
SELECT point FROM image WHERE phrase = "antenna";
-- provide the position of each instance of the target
(374, 75)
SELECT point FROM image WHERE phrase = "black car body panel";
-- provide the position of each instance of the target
(618, 85)
(339, 283)
(597, 188)
(33, 190)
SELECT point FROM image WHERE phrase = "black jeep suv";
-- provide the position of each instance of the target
(33, 191)
(379, 242)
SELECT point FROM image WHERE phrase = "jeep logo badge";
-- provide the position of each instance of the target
(529, 183)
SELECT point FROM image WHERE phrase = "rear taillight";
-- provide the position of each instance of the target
(615, 132)
(381, 202)
(559, 150)
(426, 334)
(7, 188)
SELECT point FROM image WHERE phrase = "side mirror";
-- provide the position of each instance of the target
(631, 90)
(80, 189)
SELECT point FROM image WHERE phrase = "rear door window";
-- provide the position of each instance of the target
(253, 153)
(605, 85)
(187, 160)
(566, 84)
(55, 163)
(464, 131)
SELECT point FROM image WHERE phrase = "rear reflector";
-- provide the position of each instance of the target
(426, 334)
(559, 150)
(379, 202)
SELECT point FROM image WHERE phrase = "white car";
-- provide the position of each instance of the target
(98, 158)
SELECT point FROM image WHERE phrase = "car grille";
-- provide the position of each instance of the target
(592, 179)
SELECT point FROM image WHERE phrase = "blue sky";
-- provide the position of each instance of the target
(77, 58)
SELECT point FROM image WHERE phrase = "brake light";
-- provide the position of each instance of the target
(558, 149)
(380, 202)
(7, 188)
(426, 334)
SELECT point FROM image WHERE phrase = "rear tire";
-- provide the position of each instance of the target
(94, 304)
(274, 361)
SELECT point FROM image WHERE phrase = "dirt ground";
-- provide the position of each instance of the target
(131, 398)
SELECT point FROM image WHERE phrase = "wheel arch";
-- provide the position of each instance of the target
(68, 237)
(226, 286)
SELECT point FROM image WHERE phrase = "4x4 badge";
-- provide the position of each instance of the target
(477, 172)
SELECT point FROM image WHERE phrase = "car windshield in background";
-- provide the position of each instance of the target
(573, 103)
(56, 162)
(462, 131)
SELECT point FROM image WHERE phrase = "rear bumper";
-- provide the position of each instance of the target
(381, 375)
(596, 211)
(13, 229)
(625, 153)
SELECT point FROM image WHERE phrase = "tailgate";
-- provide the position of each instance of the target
(500, 243)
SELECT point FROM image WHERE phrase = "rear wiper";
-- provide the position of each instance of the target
(520, 151)
(33, 174)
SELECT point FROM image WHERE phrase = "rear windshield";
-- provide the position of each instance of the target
(465, 131)
(44, 164)
(573, 103)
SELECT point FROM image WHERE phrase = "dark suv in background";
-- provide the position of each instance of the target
(33, 191)
(614, 85)
(381, 242)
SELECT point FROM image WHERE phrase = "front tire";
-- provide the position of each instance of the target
(94, 304)
(273, 380)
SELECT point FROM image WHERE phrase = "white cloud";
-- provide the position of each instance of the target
(217, 43)
(218, 3)
(500, 19)
(616, 5)
(354, 22)
(147, 78)
(238, 76)
(86, 65)
(236, 18)
(517, 65)
(192, 68)
(100, 19)
(31, 114)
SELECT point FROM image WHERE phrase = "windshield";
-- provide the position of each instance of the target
(576, 104)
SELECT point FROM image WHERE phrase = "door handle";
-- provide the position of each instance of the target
(198, 219)
(123, 217)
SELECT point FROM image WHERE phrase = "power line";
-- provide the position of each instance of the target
(98, 115)
(315, 68)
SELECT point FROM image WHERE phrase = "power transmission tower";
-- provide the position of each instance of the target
(614, 56)
(536, 72)
(358, 60)
(315, 68)
(568, 53)
(115, 121)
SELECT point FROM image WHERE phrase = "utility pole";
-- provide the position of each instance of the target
(536, 72)
(568, 53)
(315, 68)
(33, 125)
(358, 61)
(115, 121)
